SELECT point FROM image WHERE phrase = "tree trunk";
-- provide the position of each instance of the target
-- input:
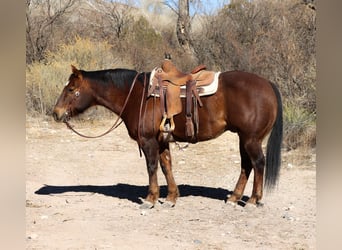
(184, 26)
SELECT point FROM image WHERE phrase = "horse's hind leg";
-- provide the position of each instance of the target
(252, 157)
(166, 165)
(254, 150)
(257, 160)
(246, 168)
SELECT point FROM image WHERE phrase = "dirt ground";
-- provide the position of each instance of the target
(85, 194)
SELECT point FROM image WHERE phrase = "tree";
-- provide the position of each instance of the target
(41, 19)
(114, 17)
(183, 27)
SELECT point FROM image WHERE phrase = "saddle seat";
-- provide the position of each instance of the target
(170, 73)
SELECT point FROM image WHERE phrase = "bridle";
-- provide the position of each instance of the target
(117, 122)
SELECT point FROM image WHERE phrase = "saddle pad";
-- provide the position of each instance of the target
(202, 90)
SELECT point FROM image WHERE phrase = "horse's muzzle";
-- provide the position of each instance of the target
(55, 116)
(59, 115)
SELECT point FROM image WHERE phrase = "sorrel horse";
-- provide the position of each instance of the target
(244, 103)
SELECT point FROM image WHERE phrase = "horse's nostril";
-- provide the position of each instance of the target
(55, 116)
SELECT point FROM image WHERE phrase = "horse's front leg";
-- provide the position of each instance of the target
(151, 152)
(166, 165)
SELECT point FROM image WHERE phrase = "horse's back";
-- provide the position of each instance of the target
(250, 102)
(245, 83)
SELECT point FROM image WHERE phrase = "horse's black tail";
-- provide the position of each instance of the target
(273, 154)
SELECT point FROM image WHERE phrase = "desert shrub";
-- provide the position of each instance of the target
(299, 127)
(142, 45)
(275, 39)
(45, 81)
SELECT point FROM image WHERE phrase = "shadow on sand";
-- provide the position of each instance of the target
(134, 193)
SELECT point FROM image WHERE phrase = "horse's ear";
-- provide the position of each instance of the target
(167, 56)
(75, 71)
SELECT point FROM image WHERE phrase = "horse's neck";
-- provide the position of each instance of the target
(112, 98)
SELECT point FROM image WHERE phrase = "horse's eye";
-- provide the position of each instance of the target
(70, 89)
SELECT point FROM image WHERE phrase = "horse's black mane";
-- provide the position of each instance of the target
(119, 77)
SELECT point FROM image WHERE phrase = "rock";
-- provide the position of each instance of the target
(32, 236)
(197, 241)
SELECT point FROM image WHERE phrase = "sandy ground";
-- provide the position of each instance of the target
(85, 194)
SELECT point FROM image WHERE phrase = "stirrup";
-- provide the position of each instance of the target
(168, 127)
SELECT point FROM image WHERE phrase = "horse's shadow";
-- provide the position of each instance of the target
(134, 193)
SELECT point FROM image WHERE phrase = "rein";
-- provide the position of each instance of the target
(116, 123)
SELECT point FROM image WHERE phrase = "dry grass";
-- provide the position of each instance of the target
(45, 81)
(299, 127)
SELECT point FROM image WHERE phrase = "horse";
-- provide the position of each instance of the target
(244, 103)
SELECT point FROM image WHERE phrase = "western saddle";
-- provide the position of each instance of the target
(169, 80)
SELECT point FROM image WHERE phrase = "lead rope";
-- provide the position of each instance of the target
(116, 123)
(140, 127)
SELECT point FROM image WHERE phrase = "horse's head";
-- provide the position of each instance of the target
(75, 98)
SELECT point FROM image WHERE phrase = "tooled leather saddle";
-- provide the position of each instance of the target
(170, 84)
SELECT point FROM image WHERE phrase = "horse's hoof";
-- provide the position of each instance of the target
(259, 204)
(168, 204)
(254, 205)
(231, 203)
(146, 205)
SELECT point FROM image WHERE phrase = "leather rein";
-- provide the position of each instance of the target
(117, 122)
